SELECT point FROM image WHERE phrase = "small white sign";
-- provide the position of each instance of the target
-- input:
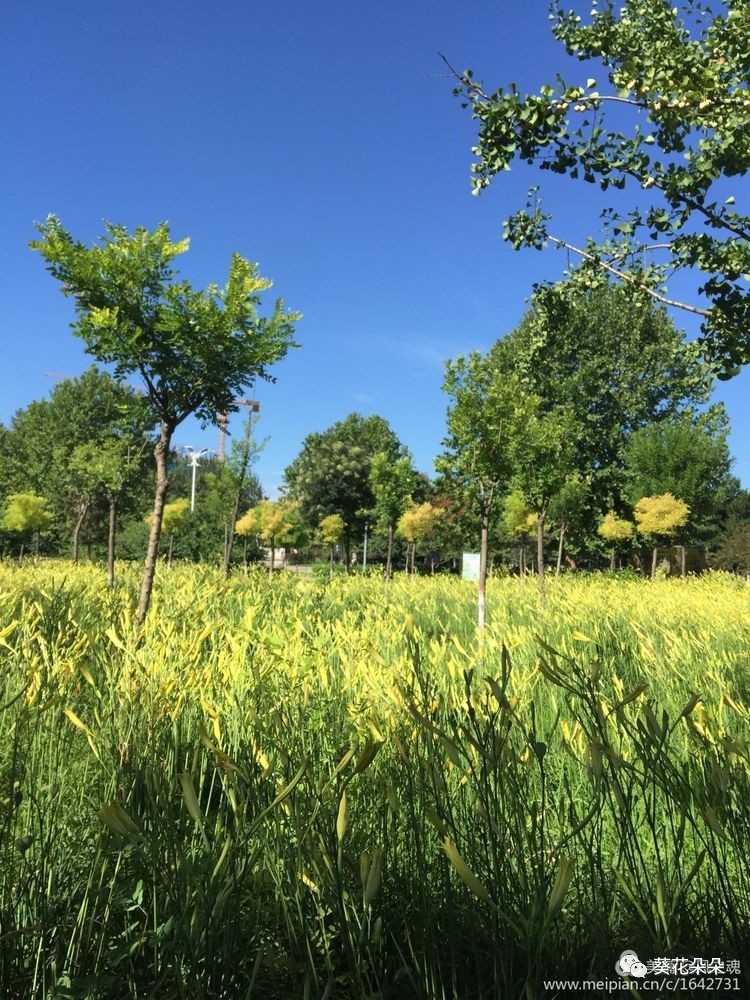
(470, 566)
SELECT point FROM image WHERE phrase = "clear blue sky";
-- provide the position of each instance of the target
(321, 140)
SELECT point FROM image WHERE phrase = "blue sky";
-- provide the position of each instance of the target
(321, 140)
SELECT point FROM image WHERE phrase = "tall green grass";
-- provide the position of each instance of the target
(300, 789)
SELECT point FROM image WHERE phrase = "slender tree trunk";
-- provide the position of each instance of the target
(653, 562)
(612, 558)
(558, 567)
(683, 561)
(432, 565)
(273, 556)
(111, 543)
(20, 554)
(389, 555)
(229, 540)
(76, 533)
(413, 558)
(483, 547)
(244, 555)
(540, 549)
(36, 546)
(330, 570)
(161, 454)
(520, 561)
(169, 553)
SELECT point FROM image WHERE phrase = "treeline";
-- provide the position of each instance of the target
(583, 438)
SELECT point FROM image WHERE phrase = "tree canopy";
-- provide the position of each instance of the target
(195, 350)
(331, 474)
(672, 117)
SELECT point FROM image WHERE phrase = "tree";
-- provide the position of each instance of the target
(660, 517)
(518, 521)
(615, 530)
(487, 409)
(680, 73)
(688, 457)
(332, 531)
(237, 468)
(276, 523)
(83, 412)
(541, 452)
(614, 362)
(568, 509)
(175, 517)
(247, 527)
(194, 350)
(392, 484)
(27, 514)
(331, 474)
(418, 524)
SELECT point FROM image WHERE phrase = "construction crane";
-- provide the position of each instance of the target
(224, 420)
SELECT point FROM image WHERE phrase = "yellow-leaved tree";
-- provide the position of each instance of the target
(615, 530)
(247, 527)
(277, 522)
(332, 532)
(417, 525)
(660, 517)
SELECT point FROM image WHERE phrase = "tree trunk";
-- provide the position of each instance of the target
(161, 454)
(20, 553)
(683, 561)
(111, 544)
(558, 567)
(540, 549)
(612, 558)
(273, 556)
(482, 590)
(169, 553)
(76, 534)
(389, 555)
(330, 570)
(36, 547)
(520, 561)
(653, 562)
(244, 556)
(413, 557)
(229, 542)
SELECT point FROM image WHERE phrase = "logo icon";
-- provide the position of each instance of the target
(628, 964)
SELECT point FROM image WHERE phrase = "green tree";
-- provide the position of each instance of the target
(542, 454)
(194, 350)
(27, 514)
(614, 362)
(615, 530)
(392, 484)
(673, 119)
(660, 517)
(89, 410)
(568, 509)
(486, 412)
(688, 457)
(331, 474)
(238, 469)
(332, 531)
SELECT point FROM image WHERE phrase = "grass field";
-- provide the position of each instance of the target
(293, 789)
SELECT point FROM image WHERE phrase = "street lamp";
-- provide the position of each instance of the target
(193, 457)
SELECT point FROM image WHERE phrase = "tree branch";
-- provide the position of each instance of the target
(629, 278)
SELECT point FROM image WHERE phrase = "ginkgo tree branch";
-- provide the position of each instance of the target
(629, 278)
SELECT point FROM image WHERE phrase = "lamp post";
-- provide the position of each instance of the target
(193, 457)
